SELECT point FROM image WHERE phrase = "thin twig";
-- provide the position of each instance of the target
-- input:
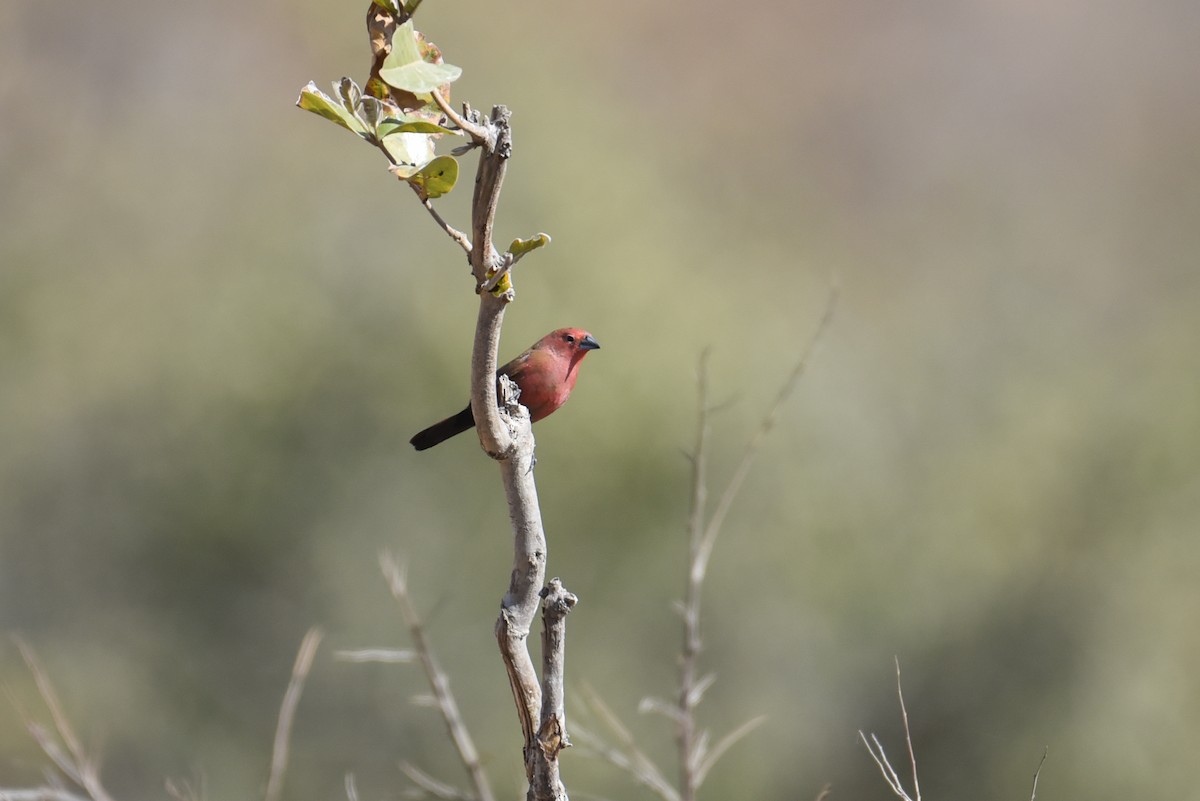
(287, 712)
(75, 762)
(435, 788)
(1036, 773)
(458, 236)
(439, 682)
(476, 132)
(875, 749)
(628, 756)
(391, 656)
(885, 767)
(689, 695)
(768, 422)
(912, 758)
(728, 741)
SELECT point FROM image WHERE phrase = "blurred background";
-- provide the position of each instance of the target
(221, 320)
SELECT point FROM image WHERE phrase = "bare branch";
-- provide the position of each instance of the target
(287, 712)
(439, 682)
(702, 535)
(552, 729)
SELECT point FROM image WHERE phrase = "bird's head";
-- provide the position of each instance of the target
(572, 343)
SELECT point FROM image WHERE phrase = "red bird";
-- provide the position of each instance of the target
(545, 373)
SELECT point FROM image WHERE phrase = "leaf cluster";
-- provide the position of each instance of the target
(399, 112)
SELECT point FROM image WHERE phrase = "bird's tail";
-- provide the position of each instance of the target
(440, 432)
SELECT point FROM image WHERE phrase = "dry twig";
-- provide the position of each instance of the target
(287, 712)
(702, 536)
(439, 683)
(875, 749)
(1036, 774)
(66, 752)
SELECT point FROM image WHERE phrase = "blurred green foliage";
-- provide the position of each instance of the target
(220, 320)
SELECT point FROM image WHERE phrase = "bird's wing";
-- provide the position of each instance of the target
(514, 368)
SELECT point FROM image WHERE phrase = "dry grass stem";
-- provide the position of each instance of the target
(432, 786)
(69, 756)
(389, 656)
(439, 684)
(626, 755)
(875, 749)
(287, 712)
(39, 794)
(1036, 774)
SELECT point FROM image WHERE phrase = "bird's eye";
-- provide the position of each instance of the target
(568, 338)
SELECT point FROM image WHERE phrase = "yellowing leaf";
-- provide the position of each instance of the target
(437, 177)
(314, 100)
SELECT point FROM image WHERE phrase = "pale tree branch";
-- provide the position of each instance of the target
(439, 683)
(552, 729)
(287, 713)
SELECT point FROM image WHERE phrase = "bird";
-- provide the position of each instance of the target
(545, 373)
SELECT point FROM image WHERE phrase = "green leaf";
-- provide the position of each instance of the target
(393, 125)
(520, 247)
(437, 177)
(389, 5)
(405, 69)
(314, 100)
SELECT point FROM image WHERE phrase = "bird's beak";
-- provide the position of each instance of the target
(587, 343)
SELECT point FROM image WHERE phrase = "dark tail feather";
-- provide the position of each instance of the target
(440, 432)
